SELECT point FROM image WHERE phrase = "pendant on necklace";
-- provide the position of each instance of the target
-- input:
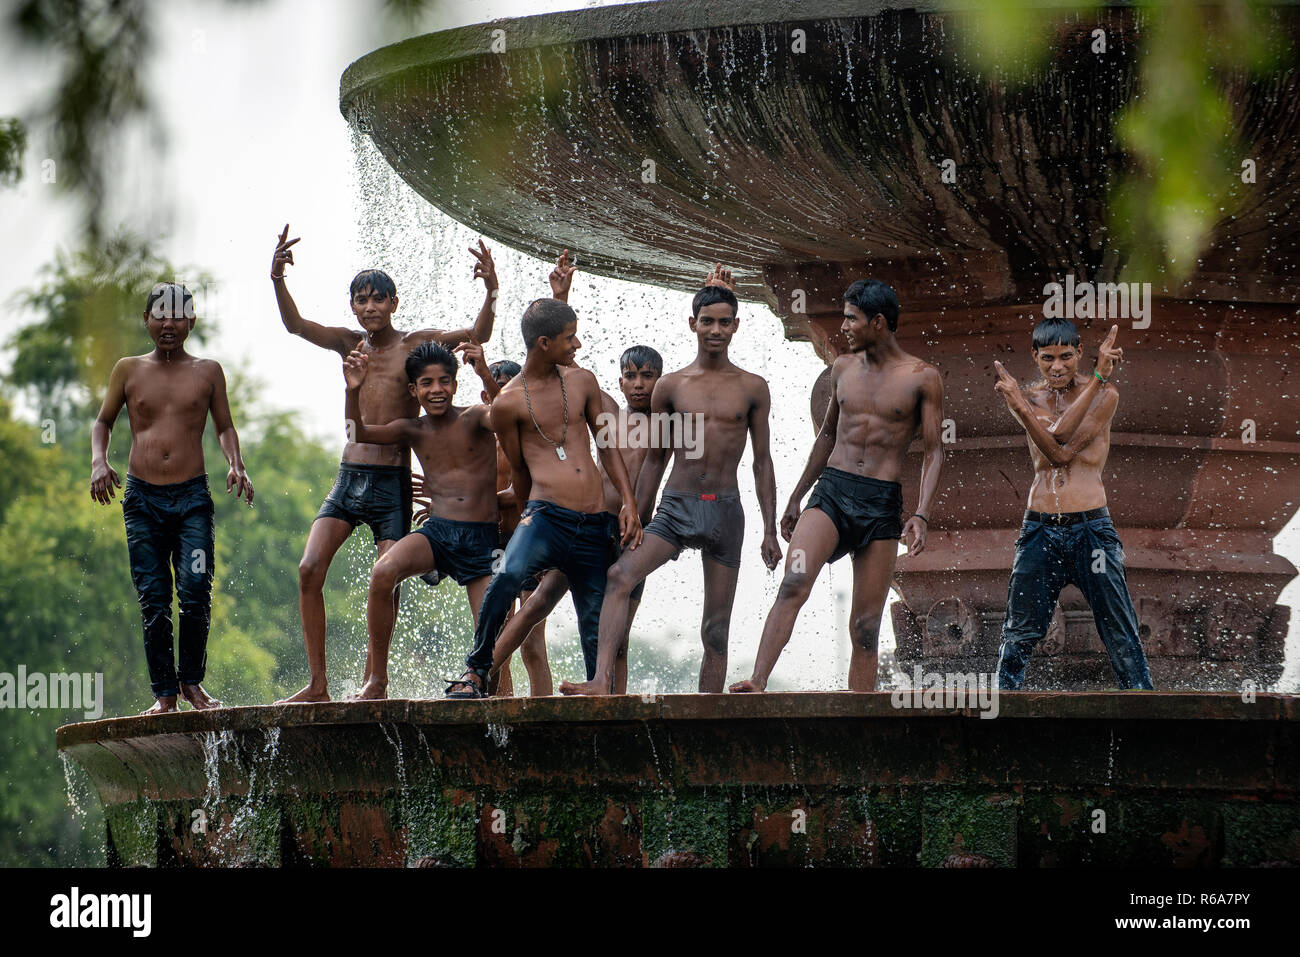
(559, 452)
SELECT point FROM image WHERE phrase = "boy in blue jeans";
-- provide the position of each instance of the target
(1067, 536)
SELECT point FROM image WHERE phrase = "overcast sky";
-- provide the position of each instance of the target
(249, 98)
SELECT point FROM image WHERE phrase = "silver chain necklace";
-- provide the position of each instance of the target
(564, 395)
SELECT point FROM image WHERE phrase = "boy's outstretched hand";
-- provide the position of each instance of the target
(237, 480)
(561, 277)
(102, 481)
(484, 267)
(354, 368)
(283, 254)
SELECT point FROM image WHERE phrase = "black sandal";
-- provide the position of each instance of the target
(472, 690)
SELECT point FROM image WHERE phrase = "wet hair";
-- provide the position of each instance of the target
(545, 317)
(1055, 332)
(504, 367)
(711, 295)
(428, 354)
(172, 294)
(642, 356)
(376, 280)
(874, 297)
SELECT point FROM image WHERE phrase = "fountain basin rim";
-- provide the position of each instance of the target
(793, 706)
(627, 19)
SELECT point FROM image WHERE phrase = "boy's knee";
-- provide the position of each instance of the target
(864, 630)
(619, 579)
(795, 586)
(311, 573)
(714, 634)
(383, 578)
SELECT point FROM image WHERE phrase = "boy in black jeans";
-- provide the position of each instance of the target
(168, 510)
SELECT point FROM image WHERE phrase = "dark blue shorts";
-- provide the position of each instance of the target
(461, 550)
(374, 495)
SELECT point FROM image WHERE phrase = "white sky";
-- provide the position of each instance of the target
(249, 97)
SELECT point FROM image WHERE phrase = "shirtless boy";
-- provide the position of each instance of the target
(1067, 536)
(641, 369)
(168, 395)
(880, 398)
(544, 420)
(701, 506)
(374, 481)
(457, 451)
(533, 648)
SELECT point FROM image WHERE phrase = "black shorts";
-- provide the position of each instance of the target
(716, 526)
(863, 509)
(375, 495)
(461, 550)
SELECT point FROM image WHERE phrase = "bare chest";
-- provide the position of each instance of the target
(155, 393)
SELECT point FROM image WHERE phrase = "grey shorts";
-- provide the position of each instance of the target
(715, 525)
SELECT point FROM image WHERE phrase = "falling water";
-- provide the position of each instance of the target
(426, 253)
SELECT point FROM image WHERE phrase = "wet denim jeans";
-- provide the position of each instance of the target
(1088, 555)
(582, 545)
(170, 527)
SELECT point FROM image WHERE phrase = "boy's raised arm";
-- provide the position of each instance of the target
(102, 476)
(335, 338)
(237, 479)
(481, 331)
(354, 373)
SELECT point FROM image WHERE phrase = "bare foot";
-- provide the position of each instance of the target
(307, 695)
(587, 687)
(199, 699)
(372, 690)
(747, 686)
(164, 705)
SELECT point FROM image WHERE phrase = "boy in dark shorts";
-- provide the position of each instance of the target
(880, 398)
(641, 367)
(715, 406)
(167, 508)
(457, 451)
(544, 420)
(374, 481)
(1067, 535)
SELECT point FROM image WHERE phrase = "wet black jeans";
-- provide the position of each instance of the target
(170, 527)
(1088, 555)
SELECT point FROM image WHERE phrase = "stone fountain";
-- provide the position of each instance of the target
(805, 145)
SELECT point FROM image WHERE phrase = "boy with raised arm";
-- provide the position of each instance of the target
(701, 506)
(457, 450)
(544, 419)
(881, 397)
(167, 507)
(374, 481)
(1067, 536)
